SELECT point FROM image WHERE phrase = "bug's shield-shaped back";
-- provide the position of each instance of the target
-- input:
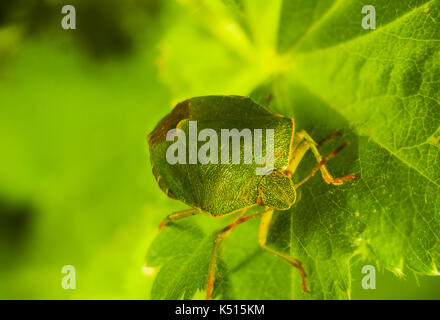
(217, 188)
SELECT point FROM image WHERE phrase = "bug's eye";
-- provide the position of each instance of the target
(277, 191)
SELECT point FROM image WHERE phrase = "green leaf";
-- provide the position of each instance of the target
(380, 88)
(390, 79)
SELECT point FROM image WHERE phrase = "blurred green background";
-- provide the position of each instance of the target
(75, 107)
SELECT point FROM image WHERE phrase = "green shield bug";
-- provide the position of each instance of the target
(221, 176)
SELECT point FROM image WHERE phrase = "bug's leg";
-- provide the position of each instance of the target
(336, 181)
(221, 235)
(301, 135)
(177, 216)
(328, 138)
(298, 138)
(262, 238)
(309, 143)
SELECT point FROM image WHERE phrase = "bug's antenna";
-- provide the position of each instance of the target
(323, 162)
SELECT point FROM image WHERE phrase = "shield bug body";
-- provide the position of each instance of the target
(224, 176)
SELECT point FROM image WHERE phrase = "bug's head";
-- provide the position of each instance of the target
(276, 190)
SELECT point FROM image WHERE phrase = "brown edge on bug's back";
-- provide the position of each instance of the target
(159, 134)
(162, 184)
(170, 121)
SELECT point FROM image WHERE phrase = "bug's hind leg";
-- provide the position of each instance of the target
(177, 216)
(306, 142)
(221, 235)
(262, 238)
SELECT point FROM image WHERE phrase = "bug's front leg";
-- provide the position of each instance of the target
(262, 238)
(221, 235)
